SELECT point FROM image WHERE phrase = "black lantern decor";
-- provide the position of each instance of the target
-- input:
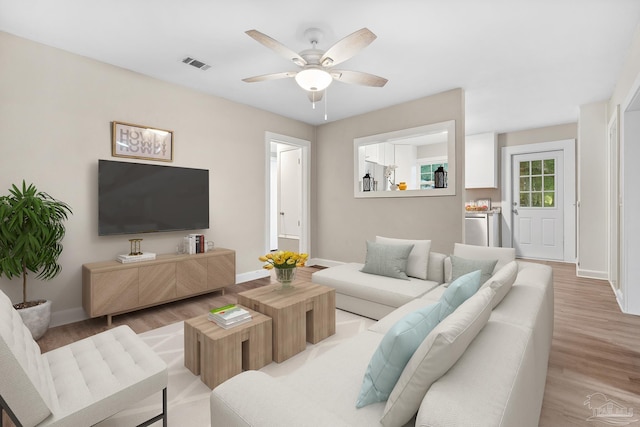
(440, 178)
(366, 182)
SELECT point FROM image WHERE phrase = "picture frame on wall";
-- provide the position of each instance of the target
(141, 142)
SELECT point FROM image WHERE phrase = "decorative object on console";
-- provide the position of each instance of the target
(440, 178)
(402, 186)
(366, 182)
(31, 232)
(141, 142)
(135, 247)
(284, 263)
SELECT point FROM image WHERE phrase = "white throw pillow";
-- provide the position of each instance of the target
(439, 351)
(418, 262)
(502, 281)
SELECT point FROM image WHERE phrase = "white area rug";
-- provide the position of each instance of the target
(188, 397)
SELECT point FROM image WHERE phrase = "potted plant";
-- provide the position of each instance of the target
(31, 229)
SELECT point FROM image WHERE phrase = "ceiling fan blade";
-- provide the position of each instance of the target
(315, 96)
(273, 76)
(347, 47)
(358, 77)
(277, 47)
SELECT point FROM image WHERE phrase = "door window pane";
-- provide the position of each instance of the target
(536, 200)
(549, 166)
(536, 183)
(549, 199)
(549, 183)
(524, 184)
(536, 167)
(525, 200)
(524, 168)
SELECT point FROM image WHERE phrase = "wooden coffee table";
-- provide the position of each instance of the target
(218, 354)
(306, 312)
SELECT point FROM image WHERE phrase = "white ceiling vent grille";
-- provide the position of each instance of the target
(195, 63)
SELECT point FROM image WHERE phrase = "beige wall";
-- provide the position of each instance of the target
(344, 223)
(529, 136)
(55, 114)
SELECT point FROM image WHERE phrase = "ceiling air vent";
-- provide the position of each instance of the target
(195, 63)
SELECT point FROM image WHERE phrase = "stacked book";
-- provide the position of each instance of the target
(145, 256)
(195, 244)
(229, 316)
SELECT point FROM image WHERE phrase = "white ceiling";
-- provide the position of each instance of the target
(522, 63)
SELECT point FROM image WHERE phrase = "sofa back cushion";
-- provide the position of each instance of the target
(435, 273)
(438, 352)
(418, 261)
(26, 382)
(503, 255)
(502, 281)
(387, 260)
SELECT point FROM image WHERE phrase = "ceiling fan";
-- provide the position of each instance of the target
(317, 66)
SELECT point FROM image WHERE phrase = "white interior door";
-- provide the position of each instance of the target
(537, 213)
(290, 193)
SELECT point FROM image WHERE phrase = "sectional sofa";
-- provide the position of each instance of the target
(484, 364)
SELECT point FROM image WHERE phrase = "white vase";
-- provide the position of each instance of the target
(393, 187)
(37, 318)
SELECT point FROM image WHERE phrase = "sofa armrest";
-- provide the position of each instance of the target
(254, 398)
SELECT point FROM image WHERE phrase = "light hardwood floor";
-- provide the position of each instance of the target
(595, 347)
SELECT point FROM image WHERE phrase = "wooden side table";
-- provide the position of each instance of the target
(306, 312)
(217, 354)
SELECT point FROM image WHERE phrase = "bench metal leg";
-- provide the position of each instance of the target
(162, 416)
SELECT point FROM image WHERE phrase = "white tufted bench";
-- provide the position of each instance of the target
(79, 384)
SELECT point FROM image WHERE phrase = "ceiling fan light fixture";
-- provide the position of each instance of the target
(313, 79)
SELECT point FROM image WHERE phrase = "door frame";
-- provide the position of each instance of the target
(569, 190)
(305, 229)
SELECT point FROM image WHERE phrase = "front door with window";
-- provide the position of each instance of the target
(538, 206)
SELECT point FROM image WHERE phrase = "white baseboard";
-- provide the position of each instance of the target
(592, 274)
(323, 262)
(64, 317)
(252, 275)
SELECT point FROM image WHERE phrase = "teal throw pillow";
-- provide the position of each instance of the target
(458, 292)
(394, 352)
(462, 266)
(387, 260)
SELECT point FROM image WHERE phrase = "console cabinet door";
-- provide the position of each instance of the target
(192, 276)
(114, 291)
(157, 283)
(221, 270)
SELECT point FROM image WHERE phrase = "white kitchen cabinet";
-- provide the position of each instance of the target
(481, 160)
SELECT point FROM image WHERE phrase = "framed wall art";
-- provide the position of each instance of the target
(141, 142)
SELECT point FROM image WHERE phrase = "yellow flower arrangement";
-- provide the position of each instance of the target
(283, 259)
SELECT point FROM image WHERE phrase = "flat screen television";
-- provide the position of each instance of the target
(142, 198)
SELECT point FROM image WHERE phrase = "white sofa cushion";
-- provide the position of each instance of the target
(347, 279)
(418, 261)
(492, 383)
(438, 352)
(502, 281)
(387, 260)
